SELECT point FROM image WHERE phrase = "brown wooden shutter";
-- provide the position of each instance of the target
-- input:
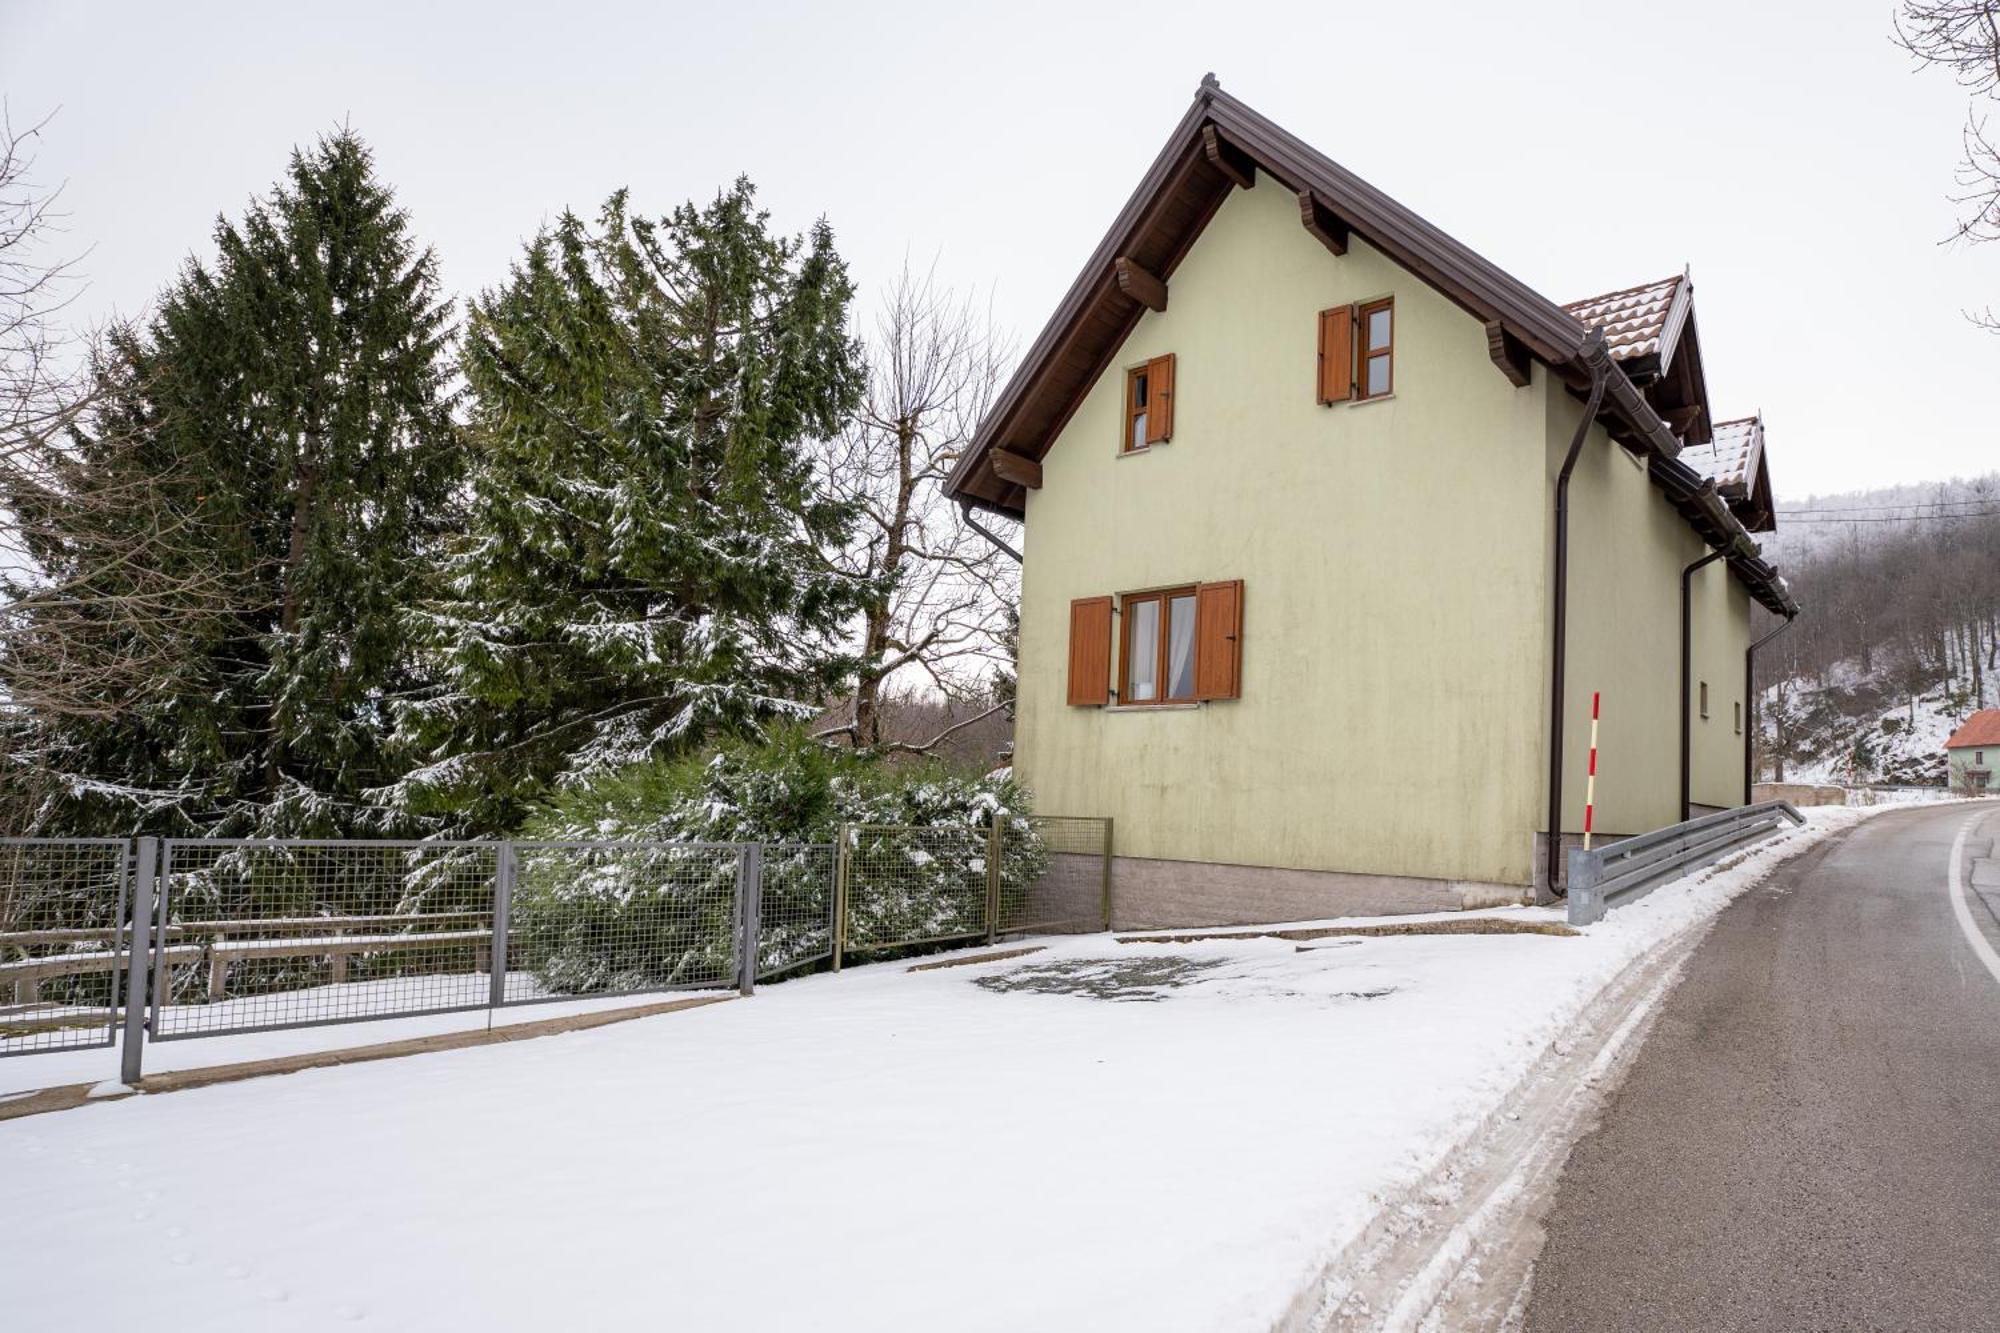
(1218, 640)
(1160, 399)
(1090, 651)
(1336, 354)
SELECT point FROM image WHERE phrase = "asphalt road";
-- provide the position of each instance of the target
(1810, 1137)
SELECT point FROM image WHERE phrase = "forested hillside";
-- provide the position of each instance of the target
(1900, 637)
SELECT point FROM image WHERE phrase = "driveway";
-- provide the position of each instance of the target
(1810, 1138)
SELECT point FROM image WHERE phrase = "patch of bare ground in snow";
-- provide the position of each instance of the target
(1455, 1252)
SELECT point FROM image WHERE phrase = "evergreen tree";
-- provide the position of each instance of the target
(295, 394)
(647, 561)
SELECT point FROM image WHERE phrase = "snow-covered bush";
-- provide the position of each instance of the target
(917, 862)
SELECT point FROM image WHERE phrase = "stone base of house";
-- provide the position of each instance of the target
(1159, 895)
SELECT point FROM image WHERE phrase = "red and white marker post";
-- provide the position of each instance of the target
(1590, 783)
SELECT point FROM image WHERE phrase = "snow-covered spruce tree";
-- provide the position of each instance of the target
(647, 561)
(296, 391)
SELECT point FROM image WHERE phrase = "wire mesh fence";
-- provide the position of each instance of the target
(795, 916)
(620, 918)
(1056, 875)
(903, 886)
(249, 935)
(64, 933)
(255, 935)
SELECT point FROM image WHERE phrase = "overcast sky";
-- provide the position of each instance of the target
(1787, 152)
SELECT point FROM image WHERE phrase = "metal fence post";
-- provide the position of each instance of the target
(993, 880)
(749, 907)
(503, 899)
(138, 945)
(841, 863)
(1107, 874)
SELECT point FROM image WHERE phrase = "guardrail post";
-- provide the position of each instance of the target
(1585, 903)
(138, 945)
(749, 908)
(503, 901)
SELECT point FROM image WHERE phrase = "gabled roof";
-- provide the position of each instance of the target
(1642, 321)
(1982, 728)
(1734, 460)
(1732, 457)
(1220, 145)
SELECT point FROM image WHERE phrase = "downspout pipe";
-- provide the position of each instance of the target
(1599, 362)
(1687, 670)
(1750, 699)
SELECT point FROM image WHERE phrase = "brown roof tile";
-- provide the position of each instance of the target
(1730, 457)
(1636, 320)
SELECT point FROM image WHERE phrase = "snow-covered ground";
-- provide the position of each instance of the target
(1100, 1136)
(1854, 728)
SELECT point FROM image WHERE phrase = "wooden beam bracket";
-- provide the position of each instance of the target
(1139, 283)
(1016, 469)
(1226, 158)
(1320, 220)
(1507, 353)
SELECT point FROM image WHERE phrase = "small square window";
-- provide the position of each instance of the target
(1377, 349)
(1137, 392)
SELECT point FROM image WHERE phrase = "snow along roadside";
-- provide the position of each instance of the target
(1451, 1247)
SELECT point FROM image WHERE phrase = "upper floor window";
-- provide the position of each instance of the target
(1377, 345)
(1357, 351)
(1149, 404)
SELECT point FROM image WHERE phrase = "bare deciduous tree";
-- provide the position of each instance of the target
(937, 619)
(1963, 36)
(90, 602)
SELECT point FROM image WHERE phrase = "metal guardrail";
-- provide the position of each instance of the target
(1610, 876)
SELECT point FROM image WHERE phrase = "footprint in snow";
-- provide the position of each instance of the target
(351, 1313)
(181, 1258)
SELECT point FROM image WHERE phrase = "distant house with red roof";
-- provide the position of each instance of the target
(1973, 750)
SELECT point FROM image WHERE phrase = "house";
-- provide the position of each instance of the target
(1973, 752)
(1332, 531)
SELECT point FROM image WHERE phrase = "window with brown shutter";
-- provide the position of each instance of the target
(1376, 325)
(1156, 647)
(1336, 354)
(1090, 651)
(1218, 633)
(1149, 405)
(1160, 421)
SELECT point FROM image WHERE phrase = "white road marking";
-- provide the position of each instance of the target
(1980, 948)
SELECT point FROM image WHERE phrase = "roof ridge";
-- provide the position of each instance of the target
(1633, 290)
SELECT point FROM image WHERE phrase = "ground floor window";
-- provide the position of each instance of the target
(1158, 652)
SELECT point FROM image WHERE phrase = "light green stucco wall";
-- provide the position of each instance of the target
(1396, 561)
(1392, 567)
(1627, 548)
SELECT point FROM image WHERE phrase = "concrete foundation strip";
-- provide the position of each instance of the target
(77, 1094)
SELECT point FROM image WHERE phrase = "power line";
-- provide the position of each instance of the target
(1907, 518)
(1881, 508)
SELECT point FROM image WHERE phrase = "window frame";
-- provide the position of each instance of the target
(1364, 354)
(1134, 413)
(1162, 650)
